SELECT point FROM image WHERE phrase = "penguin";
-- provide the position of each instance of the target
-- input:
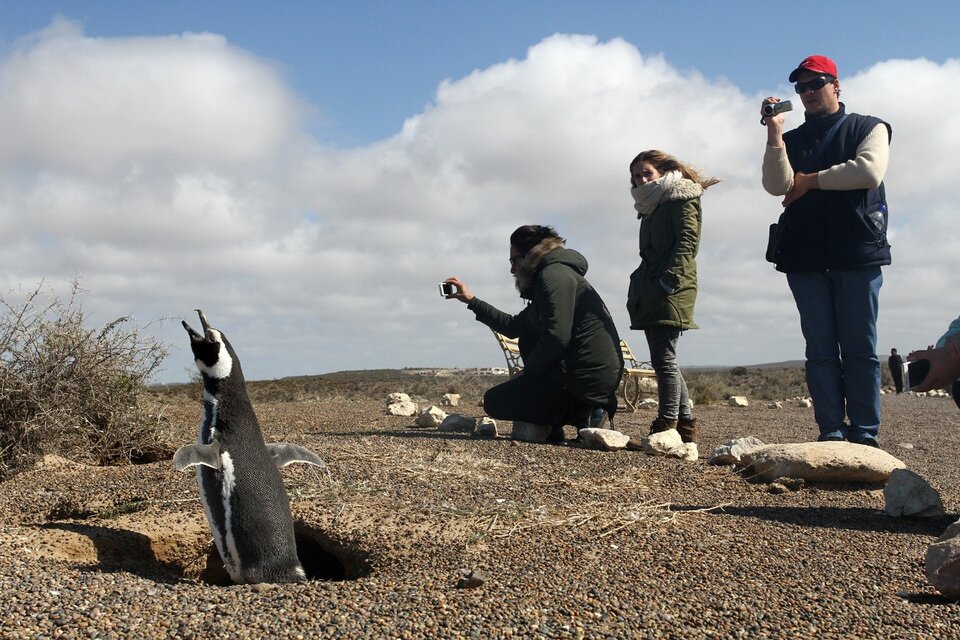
(242, 491)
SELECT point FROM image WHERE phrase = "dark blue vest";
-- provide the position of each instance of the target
(832, 229)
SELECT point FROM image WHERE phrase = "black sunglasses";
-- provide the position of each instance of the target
(813, 85)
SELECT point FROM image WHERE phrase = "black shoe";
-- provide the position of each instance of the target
(868, 441)
(830, 439)
(556, 435)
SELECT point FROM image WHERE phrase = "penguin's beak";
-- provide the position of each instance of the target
(203, 320)
(194, 336)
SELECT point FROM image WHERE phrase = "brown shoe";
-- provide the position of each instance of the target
(662, 424)
(688, 429)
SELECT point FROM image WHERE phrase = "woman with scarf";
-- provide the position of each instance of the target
(568, 341)
(663, 289)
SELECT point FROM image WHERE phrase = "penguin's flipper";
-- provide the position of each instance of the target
(285, 453)
(194, 454)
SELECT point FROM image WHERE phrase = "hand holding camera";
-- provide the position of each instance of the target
(774, 108)
(455, 289)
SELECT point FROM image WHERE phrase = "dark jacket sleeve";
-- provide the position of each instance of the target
(497, 320)
(555, 296)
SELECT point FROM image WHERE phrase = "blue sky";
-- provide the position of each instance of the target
(307, 171)
(366, 66)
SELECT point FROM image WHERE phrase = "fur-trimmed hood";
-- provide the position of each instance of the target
(547, 251)
(671, 186)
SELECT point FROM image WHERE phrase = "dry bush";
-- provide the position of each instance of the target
(73, 391)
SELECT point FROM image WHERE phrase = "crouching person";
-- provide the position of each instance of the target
(568, 341)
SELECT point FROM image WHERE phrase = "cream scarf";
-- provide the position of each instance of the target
(648, 196)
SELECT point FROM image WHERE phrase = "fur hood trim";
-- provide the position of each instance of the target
(528, 266)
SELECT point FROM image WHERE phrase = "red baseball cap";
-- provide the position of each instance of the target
(817, 64)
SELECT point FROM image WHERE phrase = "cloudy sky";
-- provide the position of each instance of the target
(307, 172)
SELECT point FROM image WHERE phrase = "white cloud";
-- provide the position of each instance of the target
(174, 172)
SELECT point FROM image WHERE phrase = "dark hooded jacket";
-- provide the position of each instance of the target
(565, 332)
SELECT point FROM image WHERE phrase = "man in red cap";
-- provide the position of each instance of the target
(831, 241)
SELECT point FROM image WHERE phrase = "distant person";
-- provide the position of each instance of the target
(663, 289)
(831, 242)
(572, 361)
(944, 359)
(895, 364)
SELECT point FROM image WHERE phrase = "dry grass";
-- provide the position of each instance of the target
(69, 390)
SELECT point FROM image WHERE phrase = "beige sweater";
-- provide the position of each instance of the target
(865, 171)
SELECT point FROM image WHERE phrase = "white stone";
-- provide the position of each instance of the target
(397, 398)
(486, 428)
(648, 403)
(529, 432)
(738, 401)
(603, 439)
(775, 405)
(668, 443)
(450, 400)
(805, 403)
(942, 564)
(432, 416)
(909, 495)
(402, 408)
(458, 423)
(823, 462)
(732, 451)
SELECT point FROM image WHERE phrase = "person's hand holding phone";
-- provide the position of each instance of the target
(455, 289)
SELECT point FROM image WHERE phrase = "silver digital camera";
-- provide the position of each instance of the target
(447, 289)
(774, 108)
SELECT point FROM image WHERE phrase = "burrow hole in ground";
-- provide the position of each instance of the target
(322, 557)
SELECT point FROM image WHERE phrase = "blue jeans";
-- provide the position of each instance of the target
(838, 317)
(671, 387)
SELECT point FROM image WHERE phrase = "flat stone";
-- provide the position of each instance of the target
(458, 423)
(823, 462)
(603, 439)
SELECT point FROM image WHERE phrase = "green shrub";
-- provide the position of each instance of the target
(73, 391)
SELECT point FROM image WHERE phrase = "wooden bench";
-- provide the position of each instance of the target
(634, 369)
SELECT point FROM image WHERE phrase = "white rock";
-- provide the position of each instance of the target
(775, 405)
(603, 439)
(909, 495)
(942, 564)
(738, 401)
(397, 398)
(529, 432)
(732, 451)
(450, 400)
(805, 403)
(823, 462)
(668, 443)
(402, 409)
(648, 403)
(458, 423)
(486, 428)
(432, 416)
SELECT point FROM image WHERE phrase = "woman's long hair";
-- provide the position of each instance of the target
(664, 163)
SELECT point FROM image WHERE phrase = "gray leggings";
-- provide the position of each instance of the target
(674, 398)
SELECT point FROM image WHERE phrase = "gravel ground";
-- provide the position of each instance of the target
(568, 542)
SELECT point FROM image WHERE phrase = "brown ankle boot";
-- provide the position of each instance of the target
(688, 429)
(662, 424)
